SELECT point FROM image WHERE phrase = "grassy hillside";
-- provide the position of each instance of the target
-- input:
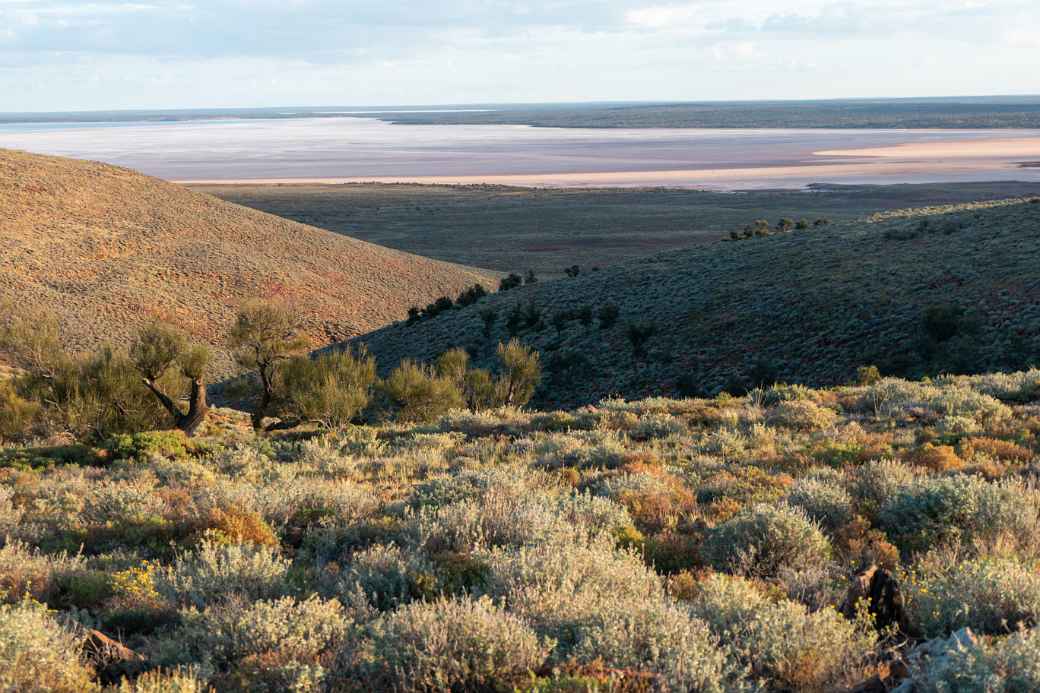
(546, 230)
(949, 288)
(660, 545)
(105, 250)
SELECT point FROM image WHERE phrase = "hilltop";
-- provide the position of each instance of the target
(105, 249)
(950, 288)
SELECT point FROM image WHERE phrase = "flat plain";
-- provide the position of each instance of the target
(517, 229)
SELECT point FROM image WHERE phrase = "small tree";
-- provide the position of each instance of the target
(264, 336)
(489, 316)
(452, 365)
(158, 351)
(638, 335)
(608, 315)
(521, 373)
(784, 225)
(510, 282)
(530, 278)
(573, 271)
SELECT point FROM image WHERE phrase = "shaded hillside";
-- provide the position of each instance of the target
(106, 249)
(943, 289)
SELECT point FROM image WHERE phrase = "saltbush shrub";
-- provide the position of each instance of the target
(763, 540)
(39, 654)
(782, 642)
(960, 509)
(946, 592)
(218, 571)
(450, 644)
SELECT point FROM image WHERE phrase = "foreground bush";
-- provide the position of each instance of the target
(764, 540)
(662, 639)
(39, 654)
(453, 644)
(960, 509)
(946, 592)
(783, 642)
(216, 572)
(1010, 665)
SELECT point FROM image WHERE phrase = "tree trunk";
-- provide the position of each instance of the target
(198, 408)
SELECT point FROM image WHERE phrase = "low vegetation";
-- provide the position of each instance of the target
(715, 544)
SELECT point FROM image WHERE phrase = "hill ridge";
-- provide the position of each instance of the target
(105, 249)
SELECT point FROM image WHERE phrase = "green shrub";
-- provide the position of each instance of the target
(18, 416)
(451, 644)
(764, 540)
(521, 371)
(945, 592)
(511, 281)
(875, 483)
(417, 394)
(608, 315)
(331, 389)
(141, 447)
(38, 654)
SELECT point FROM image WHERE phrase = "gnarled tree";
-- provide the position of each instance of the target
(160, 353)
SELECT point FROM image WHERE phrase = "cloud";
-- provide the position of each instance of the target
(64, 54)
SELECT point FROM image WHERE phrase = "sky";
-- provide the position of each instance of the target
(61, 55)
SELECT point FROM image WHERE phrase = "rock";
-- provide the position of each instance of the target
(112, 659)
(884, 599)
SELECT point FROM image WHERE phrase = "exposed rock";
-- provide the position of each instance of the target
(112, 659)
(879, 589)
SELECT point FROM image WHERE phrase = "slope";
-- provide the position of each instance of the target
(954, 288)
(106, 249)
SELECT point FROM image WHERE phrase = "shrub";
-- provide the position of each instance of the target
(217, 572)
(25, 572)
(471, 295)
(608, 315)
(801, 415)
(662, 639)
(783, 642)
(417, 394)
(960, 509)
(559, 589)
(765, 539)
(962, 663)
(17, 415)
(937, 458)
(388, 576)
(510, 282)
(452, 644)
(823, 501)
(159, 681)
(945, 592)
(638, 335)
(331, 389)
(875, 483)
(521, 372)
(489, 316)
(992, 448)
(867, 375)
(944, 322)
(39, 654)
(290, 632)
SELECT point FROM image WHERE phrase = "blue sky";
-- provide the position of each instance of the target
(100, 54)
